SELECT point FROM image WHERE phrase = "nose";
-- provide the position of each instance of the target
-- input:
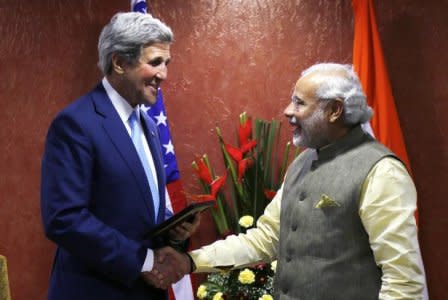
(289, 110)
(162, 73)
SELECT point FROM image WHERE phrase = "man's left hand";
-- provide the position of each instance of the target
(185, 229)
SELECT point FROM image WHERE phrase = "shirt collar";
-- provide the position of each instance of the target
(123, 108)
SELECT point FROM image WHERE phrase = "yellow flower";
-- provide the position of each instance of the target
(274, 265)
(218, 296)
(266, 297)
(246, 221)
(202, 292)
(246, 276)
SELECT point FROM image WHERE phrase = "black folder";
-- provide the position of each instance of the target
(185, 215)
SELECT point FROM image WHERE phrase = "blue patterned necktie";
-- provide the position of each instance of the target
(136, 135)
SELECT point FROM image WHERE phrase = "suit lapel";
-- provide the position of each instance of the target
(119, 136)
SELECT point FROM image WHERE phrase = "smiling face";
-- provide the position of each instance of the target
(307, 115)
(139, 83)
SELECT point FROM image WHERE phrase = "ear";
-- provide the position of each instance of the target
(118, 64)
(335, 110)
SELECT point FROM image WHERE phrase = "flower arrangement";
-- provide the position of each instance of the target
(249, 283)
(254, 170)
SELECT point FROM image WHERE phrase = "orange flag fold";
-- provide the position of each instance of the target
(368, 61)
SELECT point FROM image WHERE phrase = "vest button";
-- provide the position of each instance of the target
(294, 227)
(288, 258)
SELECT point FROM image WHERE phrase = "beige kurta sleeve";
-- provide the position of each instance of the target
(257, 244)
(387, 206)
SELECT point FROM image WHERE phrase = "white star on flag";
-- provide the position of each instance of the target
(145, 108)
(161, 119)
(169, 148)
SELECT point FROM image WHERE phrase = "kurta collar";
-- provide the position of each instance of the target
(350, 140)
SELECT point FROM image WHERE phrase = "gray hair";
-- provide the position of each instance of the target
(127, 34)
(341, 82)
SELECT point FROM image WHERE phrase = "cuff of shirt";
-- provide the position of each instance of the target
(149, 261)
(203, 260)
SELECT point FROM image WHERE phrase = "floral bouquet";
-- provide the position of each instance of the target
(254, 172)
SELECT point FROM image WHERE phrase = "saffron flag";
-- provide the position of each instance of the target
(368, 61)
(176, 199)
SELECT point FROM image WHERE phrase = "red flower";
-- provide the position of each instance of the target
(237, 155)
(244, 135)
(269, 193)
(243, 165)
(215, 186)
(203, 171)
(248, 146)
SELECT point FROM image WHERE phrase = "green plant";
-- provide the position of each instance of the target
(255, 169)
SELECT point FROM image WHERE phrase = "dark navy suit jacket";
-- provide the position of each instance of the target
(96, 203)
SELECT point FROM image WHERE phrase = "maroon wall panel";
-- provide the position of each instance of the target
(229, 56)
(415, 38)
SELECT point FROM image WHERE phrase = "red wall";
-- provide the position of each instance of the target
(415, 36)
(229, 57)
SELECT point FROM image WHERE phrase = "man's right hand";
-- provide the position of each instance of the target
(169, 267)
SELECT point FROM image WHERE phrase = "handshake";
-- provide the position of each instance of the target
(169, 267)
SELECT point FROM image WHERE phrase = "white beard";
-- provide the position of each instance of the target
(312, 132)
(296, 138)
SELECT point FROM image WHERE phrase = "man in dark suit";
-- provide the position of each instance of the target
(103, 180)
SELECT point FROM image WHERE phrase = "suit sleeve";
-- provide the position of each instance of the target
(66, 185)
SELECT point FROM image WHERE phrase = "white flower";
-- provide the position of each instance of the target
(274, 265)
(246, 276)
(246, 221)
(202, 292)
(218, 296)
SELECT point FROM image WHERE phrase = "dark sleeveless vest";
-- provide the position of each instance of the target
(324, 251)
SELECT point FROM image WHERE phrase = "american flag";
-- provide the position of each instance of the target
(176, 198)
(158, 114)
